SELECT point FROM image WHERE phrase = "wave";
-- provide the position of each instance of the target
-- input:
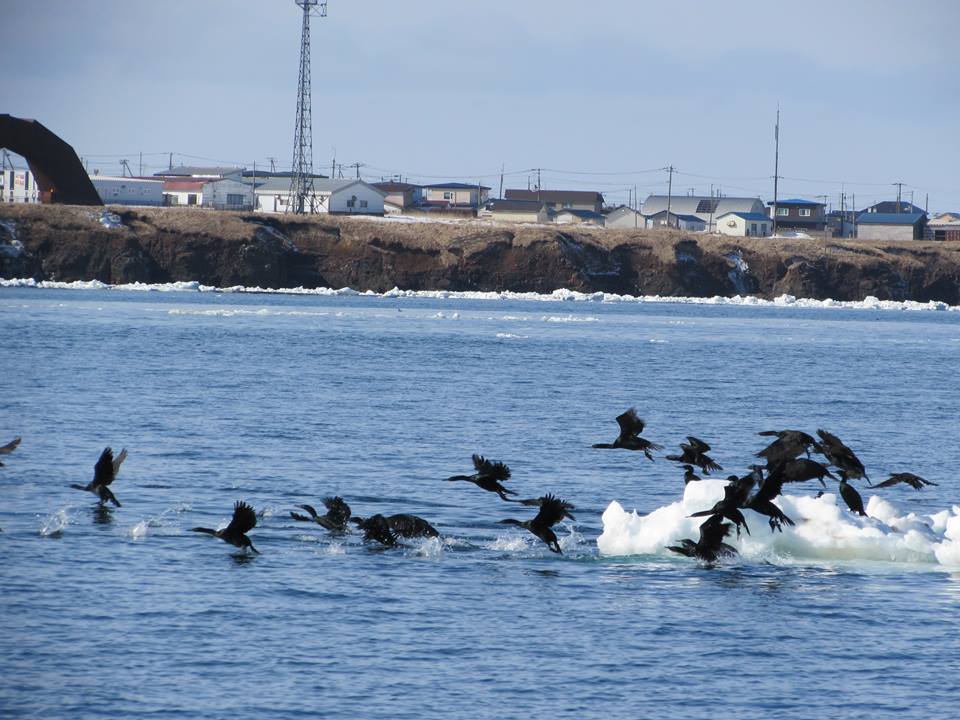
(788, 301)
(824, 530)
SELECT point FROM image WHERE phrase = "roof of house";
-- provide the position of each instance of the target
(679, 216)
(392, 187)
(751, 216)
(878, 218)
(890, 206)
(582, 214)
(183, 185)
(798, 201)
(515, 206)
(262, 173)
(456, 186)
(320, 185)
(701, 204)
(555, 196)
(198, 171)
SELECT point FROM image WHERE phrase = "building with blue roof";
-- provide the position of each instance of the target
(799, 214)
(891, 226)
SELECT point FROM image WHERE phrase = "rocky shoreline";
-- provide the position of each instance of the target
(225, 249)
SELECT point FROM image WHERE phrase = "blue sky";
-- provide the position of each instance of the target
(600, 94)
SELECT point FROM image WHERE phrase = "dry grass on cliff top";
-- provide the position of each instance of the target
(234, 226)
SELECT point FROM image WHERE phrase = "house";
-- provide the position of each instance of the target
(233, 192)
(945, 226)
(400, 194)
(891, 226)
(128, 191)
(892, 207)
(841, 224)
(798, 214)
(455, 194)
(573, 216)
(744, 224)
(705, 207)
(18, 186)
(625, 218)
(662, 219)
(517, 211)
(338, 197)
(560, 199)
(198, 172)
(177, 192)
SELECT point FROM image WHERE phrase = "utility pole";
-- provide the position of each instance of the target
(776, 166)
(140, 174)
(843, 212)
(333, 167)
(538, 184)
(273, 164)
(125, 169)
(501, 181)
(670, 170)
(303, 197)
(170, 163)
(899, 193)
(713, 206)
(823, 199)
(636, 208)
(253, 188)
(853, 215)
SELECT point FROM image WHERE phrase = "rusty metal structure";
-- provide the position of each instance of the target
(56, 167)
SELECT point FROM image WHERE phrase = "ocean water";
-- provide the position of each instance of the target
(284, 399)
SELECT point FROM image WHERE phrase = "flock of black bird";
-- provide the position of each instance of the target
(787, 460)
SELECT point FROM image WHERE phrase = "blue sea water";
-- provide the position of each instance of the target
(281, 400)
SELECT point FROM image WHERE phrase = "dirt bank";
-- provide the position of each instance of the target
(224, 249)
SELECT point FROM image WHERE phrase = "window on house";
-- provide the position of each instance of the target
(568, 205)
(363, 203)
(192, 199)
(448, 196)
(783, 212)
(753, 229)
(352, 202)
(804, 212)
(234, 199)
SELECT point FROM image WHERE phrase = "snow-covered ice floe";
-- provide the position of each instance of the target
(825, 531)
(788, 301)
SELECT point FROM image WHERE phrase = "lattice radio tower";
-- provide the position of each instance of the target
(303, 198)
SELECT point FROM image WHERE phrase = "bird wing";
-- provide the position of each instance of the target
(713, 531)
(630, 424)
(830, 441)
(10, 446)
(244, 518)
(337, 509)
(493, 470)
(889, 482)
(552, 510)
(118, 461)
(103, 470)
(697, 444)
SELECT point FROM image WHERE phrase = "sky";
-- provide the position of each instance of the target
(599, 95)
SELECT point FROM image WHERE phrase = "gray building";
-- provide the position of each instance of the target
(625, 218)
(560, 199)
(704, 207)
(663, 219)
(891, 226)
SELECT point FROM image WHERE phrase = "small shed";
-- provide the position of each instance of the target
(690, 223)
(579, 217)
(518, 211)
(891, 226)
(626, 218)
(744, 224)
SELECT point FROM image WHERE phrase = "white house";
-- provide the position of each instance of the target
(663, 219)
(229, 193)
(128, 191)
(516, 211)
(183, 192)
(625, 218)
(18, 186)
(571, 216)
(339, 197)
(744, 224)
(455, 194)
(704, 207)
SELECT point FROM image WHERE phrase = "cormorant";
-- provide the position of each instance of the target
(762, 502)
(629, 438)
(244, 520)
(552, 511)
(538, 502)
(914, 481)
(694, 453)
(734, 496)
(9, 447)
(400, 525)
(800, 470)
(489, 475)
(688, 475)
(850, 495)
(377, 528)
(840, 455)
(338, 514)
(788, 445)
(710, 547)
(104, 473)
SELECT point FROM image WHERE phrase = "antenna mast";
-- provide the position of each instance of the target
(303, 198)
(776, 166)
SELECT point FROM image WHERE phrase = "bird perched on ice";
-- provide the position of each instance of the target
(9, 447)
(914, 481)
(336, 518)
(400, 525)
(243, 521)
(840, 455)
(629, 438)
(552, 511)
(489, 476)
(104, 473)
(710, 547)
(850, 495)
(695, 453)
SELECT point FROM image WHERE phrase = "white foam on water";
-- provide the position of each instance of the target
(825, 531)
(788, 301)
(511, 336)
(512, 543)
(569, 318)
(430, 548)
(139, 531)
(142, 528)
(55, 523)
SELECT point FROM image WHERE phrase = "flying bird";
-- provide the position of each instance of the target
(762, 502)
(914, 481)
(538, 502)
(244, 520)
(850, 495)
(788, 445)
(336, 517)
(400, 525)
(695, 453)
(800, 470)
(629, 438)
(489, 476)
(840, 455)
(710, 547)
(104, 473)
(734, 496)
(377, 528)
(9, 447)
(552, 511)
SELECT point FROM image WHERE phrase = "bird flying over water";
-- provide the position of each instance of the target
(336, 518)
(377, 528)
(489, 476)
(762, 502)
(850, 495)
(695, 453)
(9, 447)
(104, 473)
(629, 438)
(800, 470)
(552, 511)
(538, 502)
(400, 525)
(710, 547)
(840, 455)
(244, 520)
(788, 445)
(734, 496)
(914, 481)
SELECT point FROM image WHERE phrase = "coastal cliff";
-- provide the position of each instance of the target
(226, 249)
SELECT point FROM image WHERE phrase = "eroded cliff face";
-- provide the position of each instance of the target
(227, 249)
